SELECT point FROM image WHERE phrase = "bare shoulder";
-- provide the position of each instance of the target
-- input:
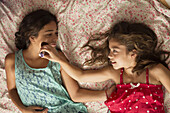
(10, 71)
(159, 70)
(10, 65)
(10, 60)
(162, 74)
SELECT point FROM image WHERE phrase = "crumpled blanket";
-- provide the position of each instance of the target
(78, 19)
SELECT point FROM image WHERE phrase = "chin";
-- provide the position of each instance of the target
(116, 68)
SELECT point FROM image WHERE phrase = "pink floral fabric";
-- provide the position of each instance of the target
(78, 19)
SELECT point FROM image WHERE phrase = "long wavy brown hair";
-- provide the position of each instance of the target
(135, 36)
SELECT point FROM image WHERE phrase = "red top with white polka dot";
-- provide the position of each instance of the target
(136, 97)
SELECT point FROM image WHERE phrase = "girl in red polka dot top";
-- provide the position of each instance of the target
(137, 67)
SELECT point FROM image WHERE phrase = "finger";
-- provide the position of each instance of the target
(49, 51)
(46, 46)
(43, 53)
(45, 50)
(36, 107)
(46, 57)
(44, 111)
(113, 87)
(41, 111)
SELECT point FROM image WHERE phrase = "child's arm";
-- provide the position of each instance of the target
(10, 74)
(78, 94)
(165, 3)
(77, 73)
(80, 75)
(162, 74)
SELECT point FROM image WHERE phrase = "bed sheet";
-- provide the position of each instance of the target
(77, 20)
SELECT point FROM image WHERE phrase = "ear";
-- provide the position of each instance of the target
(32, 39)
(133, 53)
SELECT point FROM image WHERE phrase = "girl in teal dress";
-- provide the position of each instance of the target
(38, 85)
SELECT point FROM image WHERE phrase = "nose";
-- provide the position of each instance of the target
(55, 38)
(110, 55)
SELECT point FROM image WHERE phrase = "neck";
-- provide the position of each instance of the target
(128, 69)
(32, 52)
(129, 72)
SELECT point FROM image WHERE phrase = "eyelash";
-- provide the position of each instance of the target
(51, 34)
(114, 51)
(48, 35)
(56, 33)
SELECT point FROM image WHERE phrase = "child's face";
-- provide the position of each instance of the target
(48, 34)
(118, 55)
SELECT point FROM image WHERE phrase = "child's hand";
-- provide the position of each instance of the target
(52, 54)
(110, 90)
(35, 109)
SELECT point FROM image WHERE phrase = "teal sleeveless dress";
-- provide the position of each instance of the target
(43, 87)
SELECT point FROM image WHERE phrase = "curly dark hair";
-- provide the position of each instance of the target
(136, 36)
(31, 25)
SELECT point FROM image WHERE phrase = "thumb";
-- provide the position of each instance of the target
(46, 56)
(110, 90)
(43, 111)
(46, 109)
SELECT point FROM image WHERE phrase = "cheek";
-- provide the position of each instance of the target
(124, 60)
(130, 59)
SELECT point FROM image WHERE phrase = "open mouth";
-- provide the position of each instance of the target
(113, 63)
(53, 44)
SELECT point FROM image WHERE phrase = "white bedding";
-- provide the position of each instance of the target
(78, 19)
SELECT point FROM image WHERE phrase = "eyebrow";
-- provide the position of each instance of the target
(51, 30)
(115, 47)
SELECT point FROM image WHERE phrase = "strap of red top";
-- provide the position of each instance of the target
(147, 76)
(121, 76)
